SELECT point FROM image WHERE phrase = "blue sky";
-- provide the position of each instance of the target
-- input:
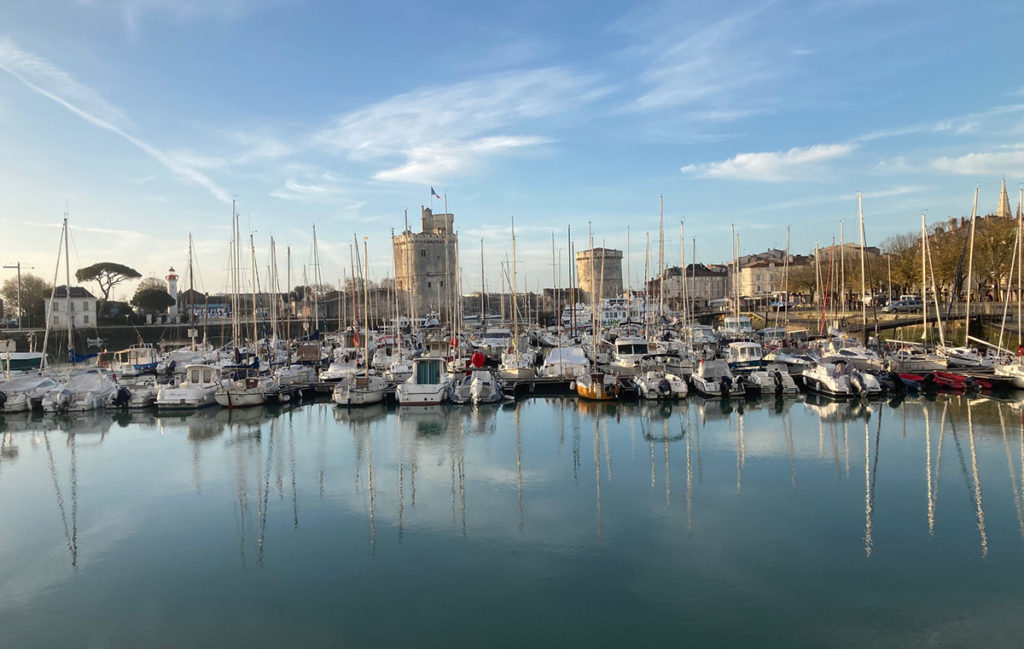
(146, 116)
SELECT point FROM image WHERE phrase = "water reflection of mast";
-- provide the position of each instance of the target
(788, 427)
(977, 484)
(597, 475)
(867, 486)
(650, 445)
(928, 470)
(668, 480)
(519, 469)
(291, 461)
(264, 484)
(372, 492)
(846, 446)
(242, 492)
(834, 438)
(72, 544)
(74, 501)
(1013, 473)
(689, 478)
(741, 455)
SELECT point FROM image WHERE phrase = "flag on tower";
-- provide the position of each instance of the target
(433, 193)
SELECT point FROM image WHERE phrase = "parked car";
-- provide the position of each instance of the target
(903, 306)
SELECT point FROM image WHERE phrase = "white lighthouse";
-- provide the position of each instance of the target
(172, 290)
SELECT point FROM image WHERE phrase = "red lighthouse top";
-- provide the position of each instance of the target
(171, 275)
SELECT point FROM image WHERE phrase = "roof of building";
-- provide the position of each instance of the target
(76, 292)
(700, 270)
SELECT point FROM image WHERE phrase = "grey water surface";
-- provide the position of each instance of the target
(805, 523)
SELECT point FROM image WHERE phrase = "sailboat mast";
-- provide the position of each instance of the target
(67, 293)
(316, 278)
(1020, 260)
(841, 285)
(629, 287)
(863, 280)
(288, 281)
(255, 333)
(483, 289)
(970, 269)
(661, 259)
(593, 297)
(682, 273)
(515, 304)
(785, 284)
(366, 312)
(924, 279)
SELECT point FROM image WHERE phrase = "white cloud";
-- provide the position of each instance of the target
(432, 162)
(771, 166)
(49, 81)
(982, 163)
(456, 125)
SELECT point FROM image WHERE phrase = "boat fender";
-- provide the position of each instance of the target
(572, 385)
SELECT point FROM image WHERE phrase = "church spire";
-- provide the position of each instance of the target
(1005, 211)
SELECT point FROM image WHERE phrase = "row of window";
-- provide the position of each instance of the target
(57, 304)
(56, 319)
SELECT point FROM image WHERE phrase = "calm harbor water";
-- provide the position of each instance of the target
(708, 524)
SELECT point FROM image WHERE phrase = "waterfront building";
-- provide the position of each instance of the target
(82, 306)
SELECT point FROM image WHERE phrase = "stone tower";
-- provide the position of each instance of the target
(426, 264)
(611, 261)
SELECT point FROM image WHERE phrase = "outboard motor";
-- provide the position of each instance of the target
(171, 366)
(725, 386)
(122, 397)
(898, 386)
(63, 399)
(778, 382)
(664, 386)
(857, 383)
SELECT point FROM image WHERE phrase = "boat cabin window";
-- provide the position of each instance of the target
(428, 373)
(207, 376)
(194, 377)
(639, 348)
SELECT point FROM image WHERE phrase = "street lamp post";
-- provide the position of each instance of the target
(18, 266)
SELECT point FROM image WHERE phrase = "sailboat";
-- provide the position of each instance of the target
(369, 386)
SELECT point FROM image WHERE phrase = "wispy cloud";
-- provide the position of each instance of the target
(692, 62)
(971, 164)
(318, 187)
(53, 83)
(455, 126)
(771, 166)
(133, 12)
